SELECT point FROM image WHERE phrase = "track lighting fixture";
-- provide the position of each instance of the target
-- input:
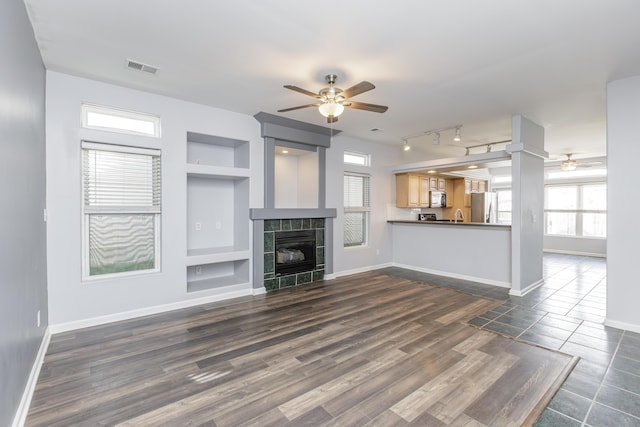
(436, 136)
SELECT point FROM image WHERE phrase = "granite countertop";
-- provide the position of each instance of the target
(449, 223)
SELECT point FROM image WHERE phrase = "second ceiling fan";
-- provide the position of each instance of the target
(333, 100)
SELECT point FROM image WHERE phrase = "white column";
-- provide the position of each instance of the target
(527, 226)
(623, 202)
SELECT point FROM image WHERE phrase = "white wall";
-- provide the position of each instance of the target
(71, 299)
(480, 253)
(285, 181)
(383, 159)
(575, 245)
(623, 152)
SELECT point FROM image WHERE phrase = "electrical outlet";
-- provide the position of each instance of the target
(198, 269)
(198, 226)
(218, 225)
(38, 319)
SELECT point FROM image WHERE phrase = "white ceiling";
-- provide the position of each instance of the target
(435, 63)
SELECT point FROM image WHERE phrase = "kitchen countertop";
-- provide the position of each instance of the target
(439, 223)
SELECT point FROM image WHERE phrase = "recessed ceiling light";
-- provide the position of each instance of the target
(431, 171)
(285, 151)
(472, 167)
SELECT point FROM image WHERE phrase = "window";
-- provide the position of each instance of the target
(504, 206)
(356, 209)
(121, 209)
(359, 159)
(115, 120)
(576, 210)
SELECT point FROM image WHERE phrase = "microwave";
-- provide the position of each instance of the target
(437, 199)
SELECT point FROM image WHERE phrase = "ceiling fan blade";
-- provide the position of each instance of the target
(364, 106)
(332, 119)
(297, 108)
(358, 89)
(303, 91)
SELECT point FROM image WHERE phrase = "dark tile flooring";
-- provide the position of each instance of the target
(567, 314)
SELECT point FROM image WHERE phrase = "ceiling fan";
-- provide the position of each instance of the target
(570, 164)
(332, 100)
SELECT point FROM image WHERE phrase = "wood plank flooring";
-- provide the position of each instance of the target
(368, 349)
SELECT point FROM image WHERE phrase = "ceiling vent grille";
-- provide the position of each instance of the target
(139, 66)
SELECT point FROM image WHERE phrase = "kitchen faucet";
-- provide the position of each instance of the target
(455, 215)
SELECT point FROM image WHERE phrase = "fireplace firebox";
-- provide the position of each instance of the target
(295, 251)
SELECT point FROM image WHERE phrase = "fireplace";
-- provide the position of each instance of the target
(295, 251)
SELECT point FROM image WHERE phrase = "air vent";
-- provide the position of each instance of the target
(139, 66)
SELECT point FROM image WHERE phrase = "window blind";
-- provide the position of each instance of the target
(356, 191)
(121, 181)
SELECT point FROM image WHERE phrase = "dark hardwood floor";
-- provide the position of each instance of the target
(368, 349)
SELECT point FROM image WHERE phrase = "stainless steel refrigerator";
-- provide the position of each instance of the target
(484, 207)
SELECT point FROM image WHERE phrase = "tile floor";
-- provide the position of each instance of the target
(567, 314)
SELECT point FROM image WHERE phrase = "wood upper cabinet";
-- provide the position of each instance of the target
(433, 183)
(412, 190)
(482, 186)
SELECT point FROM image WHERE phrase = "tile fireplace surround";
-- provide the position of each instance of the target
(271, 226)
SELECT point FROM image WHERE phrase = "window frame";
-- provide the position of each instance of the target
(366, 158)
(85, 247)
(365, 210)
(87, 108)
(579, 211)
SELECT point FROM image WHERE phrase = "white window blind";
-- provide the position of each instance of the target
(356, 209)
(122, 206)
(121, 181)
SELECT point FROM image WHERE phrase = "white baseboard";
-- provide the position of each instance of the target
(454, 275)
(126, 315)
(528, 289)
(27, 395)
(622, 325)
(563, 252)
(259, 291)
(362, 269)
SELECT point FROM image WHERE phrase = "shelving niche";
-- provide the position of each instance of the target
(217, 213)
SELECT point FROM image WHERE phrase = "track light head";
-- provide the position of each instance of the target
(406, 146)
(457, 138)
(436, 140)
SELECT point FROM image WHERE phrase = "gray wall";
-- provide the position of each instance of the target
(23, 288)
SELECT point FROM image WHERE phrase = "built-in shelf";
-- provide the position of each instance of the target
(217, 275)
(216, 172)
(212, 255)
(218, 223)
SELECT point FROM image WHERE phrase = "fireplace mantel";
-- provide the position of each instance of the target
(291, 213)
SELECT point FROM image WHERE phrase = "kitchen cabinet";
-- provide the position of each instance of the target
(433, 183)
(412, 190)
(482, 186)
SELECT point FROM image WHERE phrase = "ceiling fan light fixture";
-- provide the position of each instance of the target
(569, 164)
(331, 109)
